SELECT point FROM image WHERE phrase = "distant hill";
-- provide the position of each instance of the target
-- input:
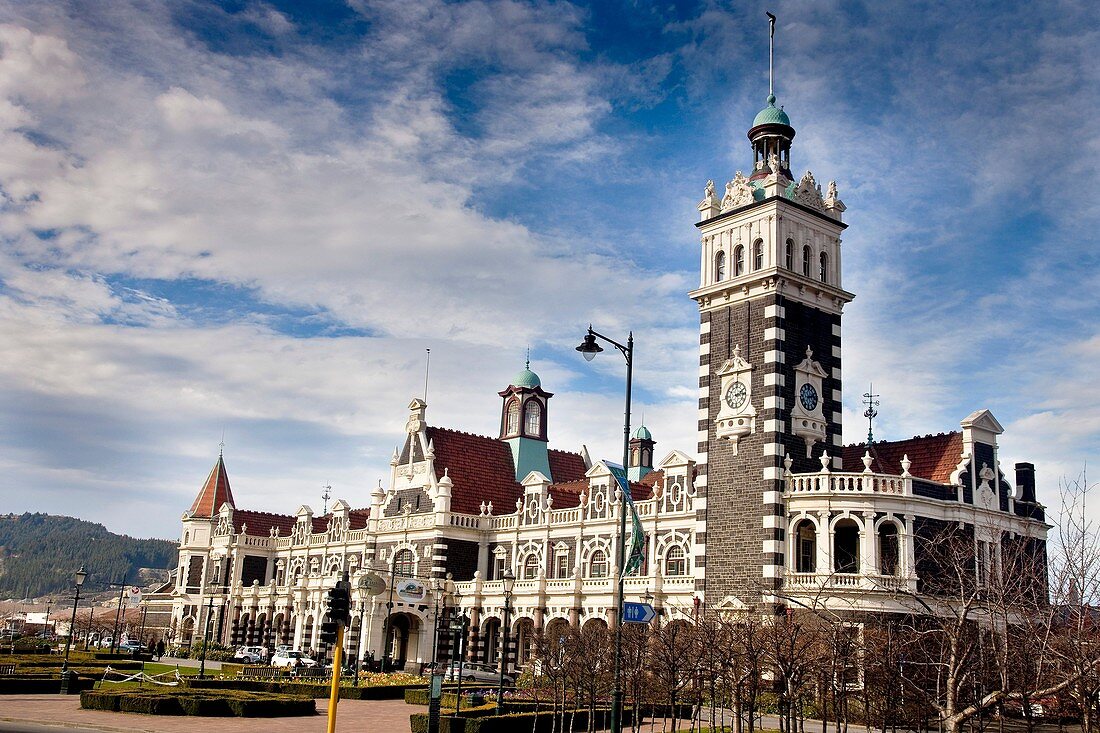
(39, 554)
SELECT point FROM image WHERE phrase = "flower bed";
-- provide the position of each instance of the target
(224, 703)
(347, 692)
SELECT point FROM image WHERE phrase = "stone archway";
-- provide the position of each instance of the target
(403, 640)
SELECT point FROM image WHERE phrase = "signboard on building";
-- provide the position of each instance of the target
(411, 591)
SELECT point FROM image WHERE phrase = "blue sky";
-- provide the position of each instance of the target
(255, 217)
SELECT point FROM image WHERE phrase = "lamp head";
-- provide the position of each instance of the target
(79, 576)
(508, 581)
(589, 348)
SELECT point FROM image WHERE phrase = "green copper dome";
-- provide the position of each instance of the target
(642, 433)
(526, 378)
(771, 115)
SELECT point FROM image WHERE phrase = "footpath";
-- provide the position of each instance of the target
(59, 712)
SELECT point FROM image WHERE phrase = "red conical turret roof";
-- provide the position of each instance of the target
(214, 493)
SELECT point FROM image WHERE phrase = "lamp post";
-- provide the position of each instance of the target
(589, 348)
(508, 581)
(444, 588)
(359, 641)
(458, 626)
(78, 580)
(206, 630)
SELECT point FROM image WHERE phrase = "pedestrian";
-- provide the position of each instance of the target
(160, 650)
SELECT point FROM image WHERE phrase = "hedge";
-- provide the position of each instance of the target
(543, 722)
(26, 685)
(185, 702)
(421, 696)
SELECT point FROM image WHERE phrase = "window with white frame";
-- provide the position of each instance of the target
(404, 563)
(500, 564)
(807, 260)
(788, 253)
(532, 420)
(823, 274)
(597, 564)
(676, 561)
(561, 564)
(512, 423)
(738, 261)
(758, 254)
(720, 266)
(531, 567)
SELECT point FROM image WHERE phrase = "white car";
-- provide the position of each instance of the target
(476, 673)
(291, 659)
(251, 654)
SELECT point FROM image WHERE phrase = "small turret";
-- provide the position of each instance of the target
(214, 492)
(641, 453)
(523, 422)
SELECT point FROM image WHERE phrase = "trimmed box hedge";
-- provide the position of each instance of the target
(231, 703)
(541, 722)
(422, 695)
(42, 685)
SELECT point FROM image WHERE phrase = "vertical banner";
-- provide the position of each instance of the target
(133, 598)
(635, 543)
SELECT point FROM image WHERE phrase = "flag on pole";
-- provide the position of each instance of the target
(635, 542)
(133, 598)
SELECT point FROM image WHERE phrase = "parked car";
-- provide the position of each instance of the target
(472, 672)
(251, 654)
(291, 659)
(131, 645)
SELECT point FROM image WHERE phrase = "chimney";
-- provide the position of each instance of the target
(1025, 482)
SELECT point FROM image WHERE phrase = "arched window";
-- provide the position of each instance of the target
(532, 419)
(846, 546)
(807, 260)
(531, 567)
(738, 261)
(404, 564)
(597, 564)
(512, 425)
(888, 548)
(805, 537)
(675, 561)
(758, 254)
(824, 272)
(186, 537)
(789, 255)
(719, 266)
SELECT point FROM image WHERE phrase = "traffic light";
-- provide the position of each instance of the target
(328, 631)
(339, 605)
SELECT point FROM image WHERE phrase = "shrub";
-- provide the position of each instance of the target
(306, 689)
(198, 703)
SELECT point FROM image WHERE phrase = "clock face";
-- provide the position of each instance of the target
(736, 395)
(808, 397)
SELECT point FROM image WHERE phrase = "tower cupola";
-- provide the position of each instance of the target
(523, 422)
(641, 453)
(771, 134)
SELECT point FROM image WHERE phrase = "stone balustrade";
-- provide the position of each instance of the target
(848, 581)
(844, 484)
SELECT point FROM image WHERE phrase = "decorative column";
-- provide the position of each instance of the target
(824, 562)
(908, 541)
(869, 546)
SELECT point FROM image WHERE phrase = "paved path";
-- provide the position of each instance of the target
(47, 713)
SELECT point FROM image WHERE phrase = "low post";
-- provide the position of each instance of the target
(334, 692)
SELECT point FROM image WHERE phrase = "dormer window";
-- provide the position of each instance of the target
(758, 254)
(807, 259)
(532, 420)
(719, 266)
(824, 271)
(512, 425)
(739, 261)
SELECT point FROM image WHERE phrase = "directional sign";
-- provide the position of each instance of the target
(638, 613)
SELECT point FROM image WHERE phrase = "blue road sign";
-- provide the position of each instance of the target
(638, 613)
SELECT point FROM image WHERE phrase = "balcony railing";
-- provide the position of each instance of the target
(847, 581)
(801, 484)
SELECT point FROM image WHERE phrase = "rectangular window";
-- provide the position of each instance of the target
(561, 565)
(499, 566)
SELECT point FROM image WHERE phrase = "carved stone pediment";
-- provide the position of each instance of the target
(808, 193)
(738, 193)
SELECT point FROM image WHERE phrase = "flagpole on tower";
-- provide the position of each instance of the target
(771, 53)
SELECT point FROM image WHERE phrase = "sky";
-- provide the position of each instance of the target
(245, 222)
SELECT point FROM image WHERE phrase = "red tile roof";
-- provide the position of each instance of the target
(214, 492)
(481, 469)
(568, 493)
(260, 523)
(933, 457)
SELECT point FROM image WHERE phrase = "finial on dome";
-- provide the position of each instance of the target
(771, 100)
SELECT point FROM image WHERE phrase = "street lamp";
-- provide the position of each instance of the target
(211, 589)
(458, 626)
(443, 589)
(78, 580)
(508, 581)
(589, 348)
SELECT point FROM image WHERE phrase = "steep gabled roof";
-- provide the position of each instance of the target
(214, 492)
(933, 457)
(481, 469)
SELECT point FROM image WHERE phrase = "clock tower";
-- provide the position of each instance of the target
(770, 299)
